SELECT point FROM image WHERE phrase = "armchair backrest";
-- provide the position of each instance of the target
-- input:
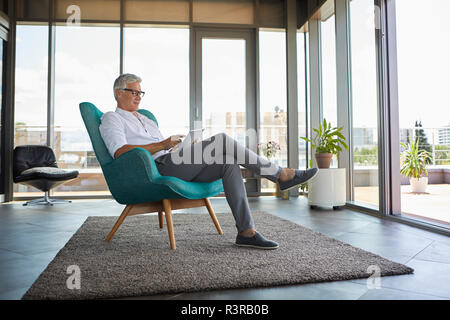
(92, 118)
(31, 156)
(133, 177)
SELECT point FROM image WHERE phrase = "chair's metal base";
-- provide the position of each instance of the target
(45, 201)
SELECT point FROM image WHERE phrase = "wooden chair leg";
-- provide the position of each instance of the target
(161, 221)
(168, 211)
(213, 215)
(119, 222)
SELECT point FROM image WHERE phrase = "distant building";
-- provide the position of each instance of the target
(363, 138)
(444, 135)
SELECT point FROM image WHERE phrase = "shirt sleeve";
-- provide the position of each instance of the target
(112, 131)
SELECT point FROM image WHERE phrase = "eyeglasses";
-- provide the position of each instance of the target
(135, 93)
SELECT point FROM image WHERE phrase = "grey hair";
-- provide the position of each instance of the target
(123, 79)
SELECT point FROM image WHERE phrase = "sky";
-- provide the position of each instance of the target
(364, 67)
(423, 62)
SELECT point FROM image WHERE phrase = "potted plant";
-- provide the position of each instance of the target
(304, 188)
(326, 142)
(269, 150)
(414, 166)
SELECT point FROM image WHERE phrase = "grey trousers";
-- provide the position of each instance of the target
(219, 157)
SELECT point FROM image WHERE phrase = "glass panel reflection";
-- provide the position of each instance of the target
(365, 103)
(273, 99)
(160, 56)
(424, 107)
(224, 87)
(328, 36)
(86, 64)
(30, 90)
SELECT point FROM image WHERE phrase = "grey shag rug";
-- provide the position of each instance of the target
(138, 260)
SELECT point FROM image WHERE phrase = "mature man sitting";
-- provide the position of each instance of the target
(126, 129)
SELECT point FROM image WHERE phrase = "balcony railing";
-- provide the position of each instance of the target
(73, 150)
(438, 144)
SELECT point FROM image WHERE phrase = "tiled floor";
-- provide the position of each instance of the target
(30, 237)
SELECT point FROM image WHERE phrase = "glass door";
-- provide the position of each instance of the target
(424, 113)
(364, 103)
(225, 86)
(222, 82)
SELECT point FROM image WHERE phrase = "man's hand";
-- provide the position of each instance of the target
(152, 147)
(172, 141)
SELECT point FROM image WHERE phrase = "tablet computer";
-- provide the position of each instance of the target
(188, 139)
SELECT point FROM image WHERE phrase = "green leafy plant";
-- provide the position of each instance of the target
(365, 156)
(304, 188)
(327, 139)
(269, 149)
(442, 154)
(415, 160)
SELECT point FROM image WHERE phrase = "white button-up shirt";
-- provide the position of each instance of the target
(122, 127)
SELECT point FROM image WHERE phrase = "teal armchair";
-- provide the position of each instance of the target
(133, 180)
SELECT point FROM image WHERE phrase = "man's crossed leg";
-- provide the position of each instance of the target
(219, 157)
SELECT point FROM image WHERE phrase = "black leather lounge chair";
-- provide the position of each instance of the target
(36, 166)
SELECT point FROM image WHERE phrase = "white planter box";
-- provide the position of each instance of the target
(328, 188)
(419, 185)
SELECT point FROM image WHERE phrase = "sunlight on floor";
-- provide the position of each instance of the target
(435, 204)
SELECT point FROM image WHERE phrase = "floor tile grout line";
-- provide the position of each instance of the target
(433, 241)
(15, 289)
(176, 295)
(406, 291)
(402, 290)
(12, 251)
(413, 230)
(415, 292)
(427, 260)
(352, 218)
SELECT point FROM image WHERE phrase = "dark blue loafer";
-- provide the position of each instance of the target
(257, 241)
(301, 176)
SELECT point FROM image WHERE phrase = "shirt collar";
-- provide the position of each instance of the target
(125, 112)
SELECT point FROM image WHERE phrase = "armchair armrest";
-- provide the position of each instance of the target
(136, 164)
(133, 177)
